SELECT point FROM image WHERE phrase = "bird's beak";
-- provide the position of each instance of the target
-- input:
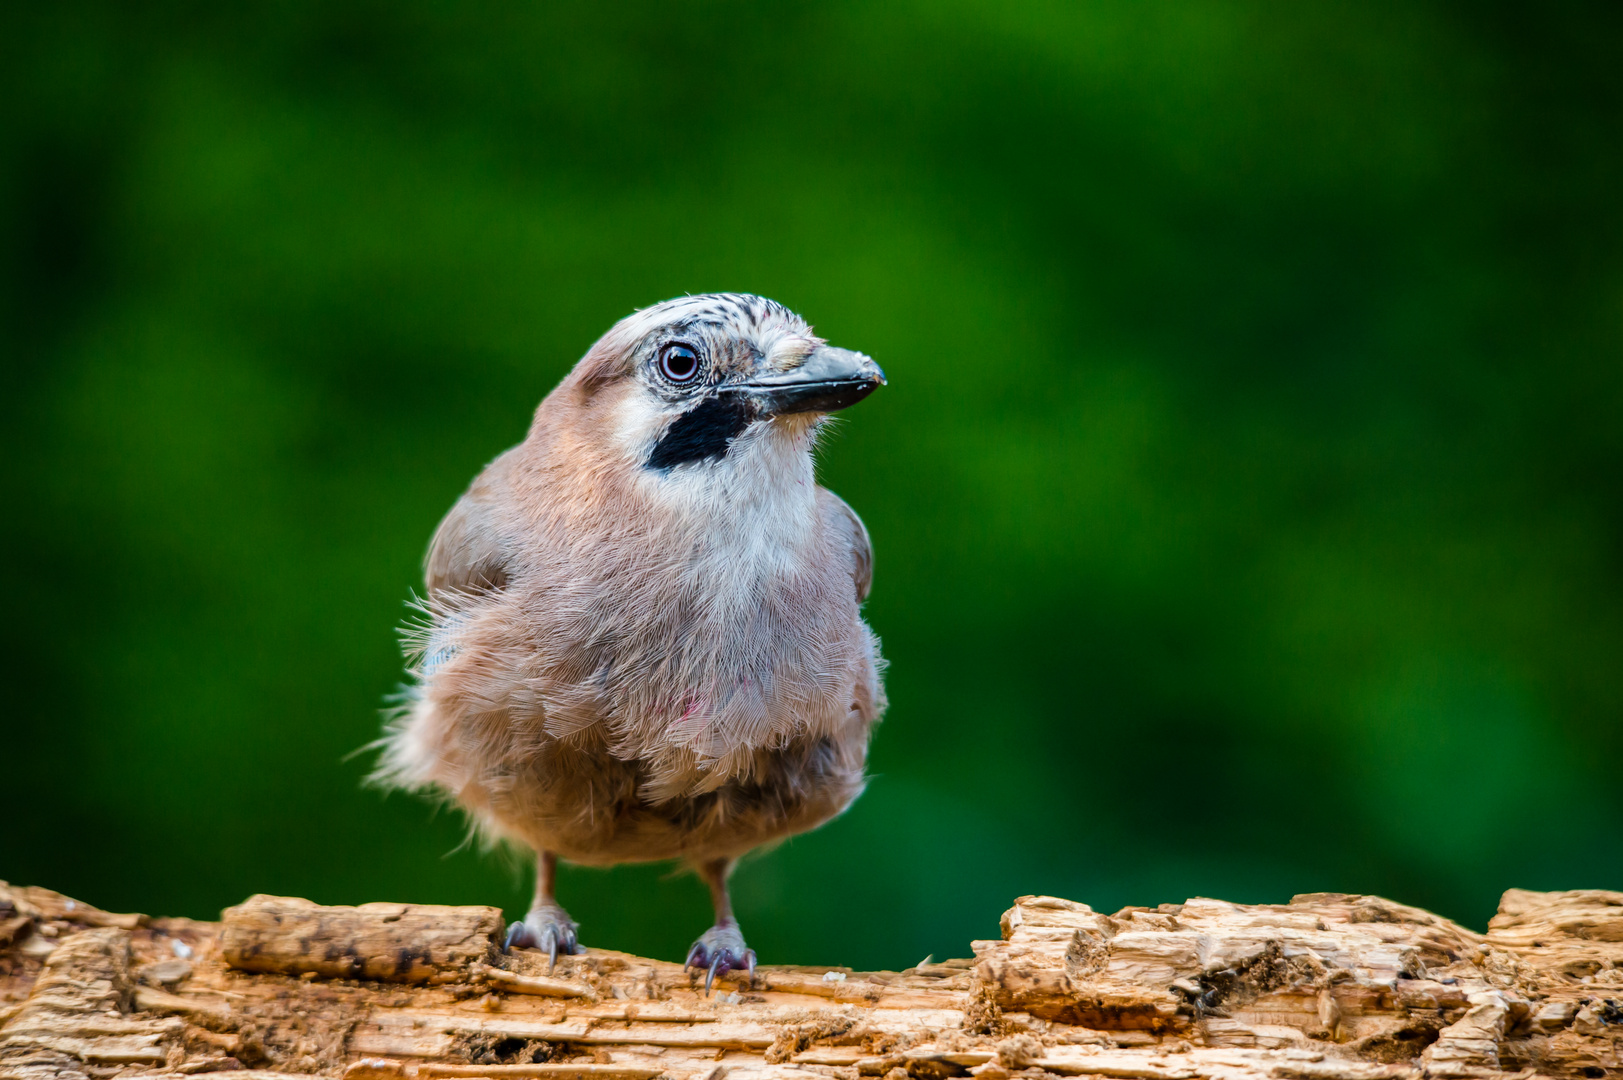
(829, 380)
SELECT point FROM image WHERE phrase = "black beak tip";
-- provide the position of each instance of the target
(848, 394)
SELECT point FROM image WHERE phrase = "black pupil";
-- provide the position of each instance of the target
(680, 362)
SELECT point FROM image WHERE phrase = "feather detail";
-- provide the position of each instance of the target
(621, 663)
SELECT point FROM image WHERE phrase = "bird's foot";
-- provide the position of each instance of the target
(719, 950)
(548, 928)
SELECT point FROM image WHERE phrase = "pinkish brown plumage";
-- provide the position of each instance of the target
(643, 637)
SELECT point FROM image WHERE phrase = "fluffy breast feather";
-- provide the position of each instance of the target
(685, 627)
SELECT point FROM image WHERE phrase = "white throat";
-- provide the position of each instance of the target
(751, 515)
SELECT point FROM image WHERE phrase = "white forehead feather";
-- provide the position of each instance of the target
(783, 337)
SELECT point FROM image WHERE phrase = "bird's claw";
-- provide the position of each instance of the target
(719, 950)
(549, 929)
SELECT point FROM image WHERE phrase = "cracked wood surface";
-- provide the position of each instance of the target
(1327, 987)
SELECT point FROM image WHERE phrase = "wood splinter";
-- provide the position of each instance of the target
(540, 985)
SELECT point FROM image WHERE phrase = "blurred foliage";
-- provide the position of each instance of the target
(1248, 493)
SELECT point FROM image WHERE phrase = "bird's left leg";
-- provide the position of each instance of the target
(721, 948)
(547, 926)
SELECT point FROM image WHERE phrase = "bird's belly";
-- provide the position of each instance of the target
(595, 815)
(632, 730)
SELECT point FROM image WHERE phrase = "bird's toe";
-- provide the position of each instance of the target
(549, 929)
(719, 950)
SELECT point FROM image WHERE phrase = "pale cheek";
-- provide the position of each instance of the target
(638, 419)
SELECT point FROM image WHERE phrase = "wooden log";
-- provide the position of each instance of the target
(1327, 987)
(411, 943)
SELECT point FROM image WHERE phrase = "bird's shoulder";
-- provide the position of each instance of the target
(472, 548)
(852, 535)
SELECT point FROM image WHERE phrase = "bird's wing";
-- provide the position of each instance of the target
(849, 528)
(467, 556)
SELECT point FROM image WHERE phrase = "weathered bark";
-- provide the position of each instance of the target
(413, 943)
(1328, 987)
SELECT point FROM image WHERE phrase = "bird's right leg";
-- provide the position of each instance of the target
(547, 926)
(721, 948)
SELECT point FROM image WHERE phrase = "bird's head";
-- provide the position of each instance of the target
(700, 383)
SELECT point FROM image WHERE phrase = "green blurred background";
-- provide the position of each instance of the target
(1247, 495)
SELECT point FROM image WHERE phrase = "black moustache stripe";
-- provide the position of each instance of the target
(703, 432)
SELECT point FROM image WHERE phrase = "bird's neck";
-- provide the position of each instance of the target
(759, 503)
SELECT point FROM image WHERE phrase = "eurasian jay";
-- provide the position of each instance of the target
(642, 636)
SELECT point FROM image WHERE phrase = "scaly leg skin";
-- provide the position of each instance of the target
(547, 926)
(721, 948)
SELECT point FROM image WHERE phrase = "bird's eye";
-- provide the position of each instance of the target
(678, 363)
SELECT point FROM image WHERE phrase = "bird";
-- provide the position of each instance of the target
(641, 638)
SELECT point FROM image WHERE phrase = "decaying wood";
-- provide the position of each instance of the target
(1327, 987)
(414, 943)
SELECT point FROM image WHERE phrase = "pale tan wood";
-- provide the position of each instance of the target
(540, 985)
(1327, 987)
(581, 1071)
(417, 943)
(78, 1013)
(384, 1069)
(31, 903)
